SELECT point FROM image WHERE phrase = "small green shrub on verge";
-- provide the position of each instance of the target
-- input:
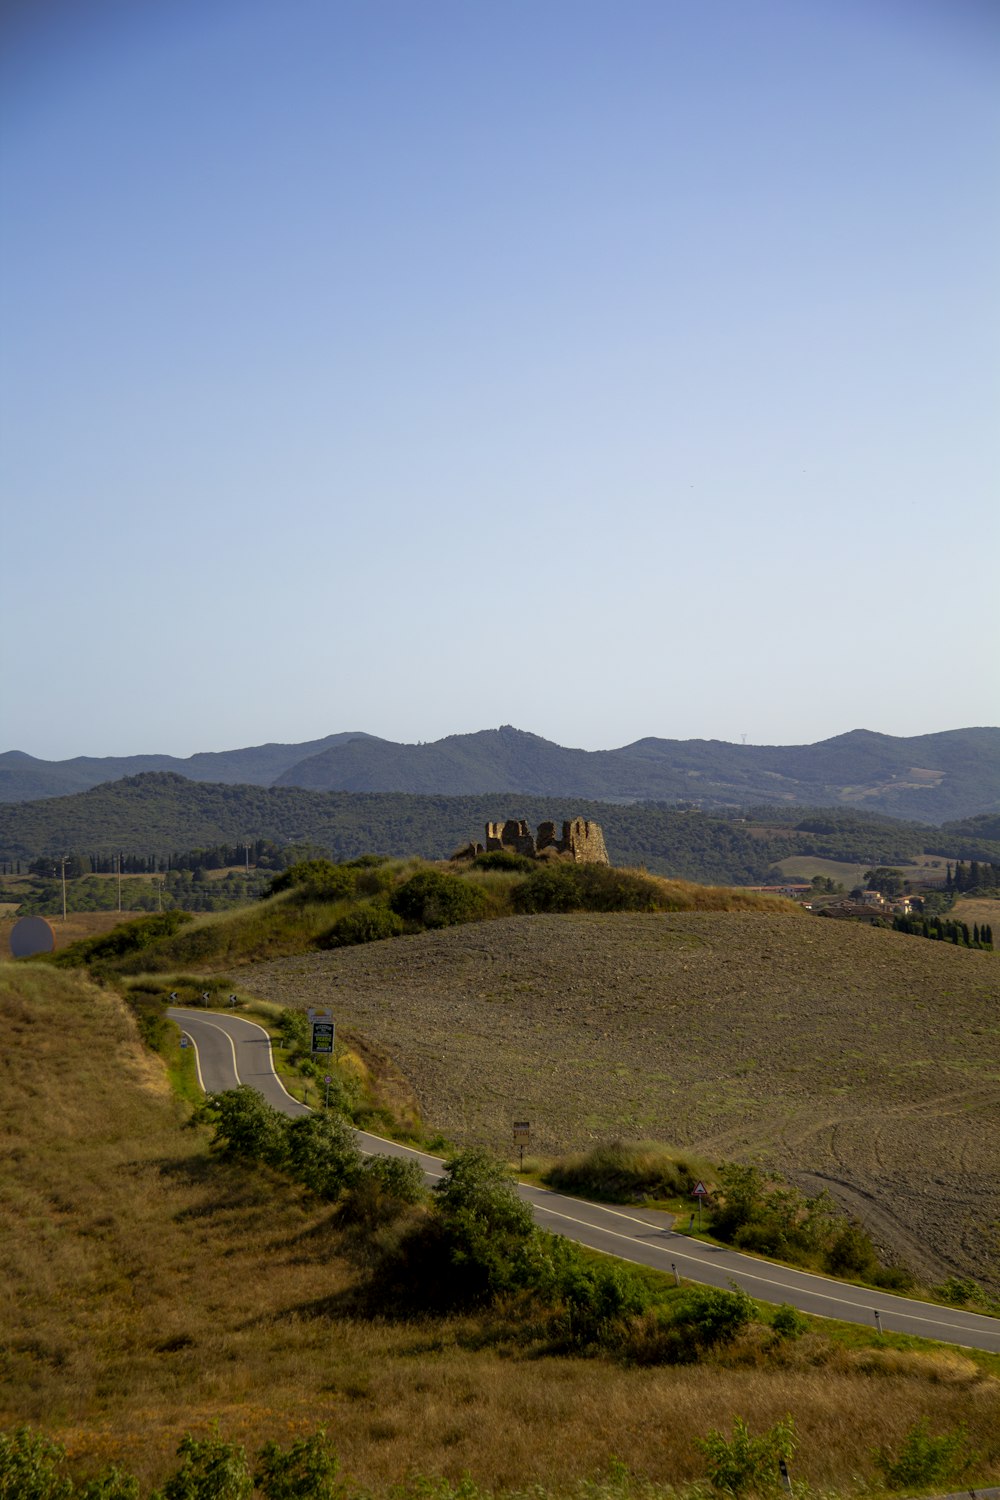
(788, 1322)
(747, 1463)
(923, 1458)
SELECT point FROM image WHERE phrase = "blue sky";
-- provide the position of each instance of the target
(607, 369)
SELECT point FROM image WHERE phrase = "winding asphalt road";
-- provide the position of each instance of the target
(231, 1050)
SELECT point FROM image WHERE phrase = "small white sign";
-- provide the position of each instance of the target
(700, 1190)
(185, 1041)
(522, 1133)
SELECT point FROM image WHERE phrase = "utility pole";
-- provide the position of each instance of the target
(119, 882)
(62, 862)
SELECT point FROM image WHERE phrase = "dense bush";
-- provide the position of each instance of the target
(369, 923)
(561, 886)
(433, 899)
(322, 1153)
(314, 880)
(246, 1126)
(384, 1188)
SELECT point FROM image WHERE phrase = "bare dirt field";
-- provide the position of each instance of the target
(863, 1061)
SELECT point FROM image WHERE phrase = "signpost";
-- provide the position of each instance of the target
(323, 1032)
(522, 1137)
(700, 1191)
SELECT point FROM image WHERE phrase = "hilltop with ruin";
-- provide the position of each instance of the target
(582, 841)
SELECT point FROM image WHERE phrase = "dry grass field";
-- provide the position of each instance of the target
(970, 909)
(863, 1061)
(78, 924)
(150, 1289)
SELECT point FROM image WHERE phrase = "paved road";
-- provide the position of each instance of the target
(232, 1050)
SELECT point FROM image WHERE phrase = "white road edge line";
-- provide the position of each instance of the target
(197, 1061)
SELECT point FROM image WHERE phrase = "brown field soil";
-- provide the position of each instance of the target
(78, 924)
(863, 1061)
(151, 1289)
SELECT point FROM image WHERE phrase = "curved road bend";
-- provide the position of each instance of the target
(231, 1050)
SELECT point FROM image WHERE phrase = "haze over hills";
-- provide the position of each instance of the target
(931, 778)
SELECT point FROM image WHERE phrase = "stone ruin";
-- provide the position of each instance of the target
(582, 841)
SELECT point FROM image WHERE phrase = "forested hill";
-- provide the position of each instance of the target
(154, 814)
(928, 778)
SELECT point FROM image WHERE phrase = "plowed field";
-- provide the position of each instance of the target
(860, 1060)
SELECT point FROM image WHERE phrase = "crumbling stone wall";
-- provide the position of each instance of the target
(580, 841)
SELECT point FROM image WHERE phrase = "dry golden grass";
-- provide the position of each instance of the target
(970, 909)
(78, 924)
(151, 1289)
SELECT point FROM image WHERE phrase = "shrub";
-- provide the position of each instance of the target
(476, 1243)
(562, 886)
(851, 1253)
(29, 1467)
(384, 1188)
(706, 1317)
(323, 1153)
(747, 1463)
(369, 923)
(246, 1126)
(923, 1459)
(314, 880)
(788, 1322)
(307, 1470)
(293, 1031)
(598, 1300)
(211, 1470)
(433, 899)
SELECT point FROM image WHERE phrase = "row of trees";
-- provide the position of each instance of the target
(976, 875)
(946, 932)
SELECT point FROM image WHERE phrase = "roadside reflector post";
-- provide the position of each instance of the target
(878, 1320)
(786, 1483)
(677, 1274)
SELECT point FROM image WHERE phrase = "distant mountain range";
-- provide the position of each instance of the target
(930, 778)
